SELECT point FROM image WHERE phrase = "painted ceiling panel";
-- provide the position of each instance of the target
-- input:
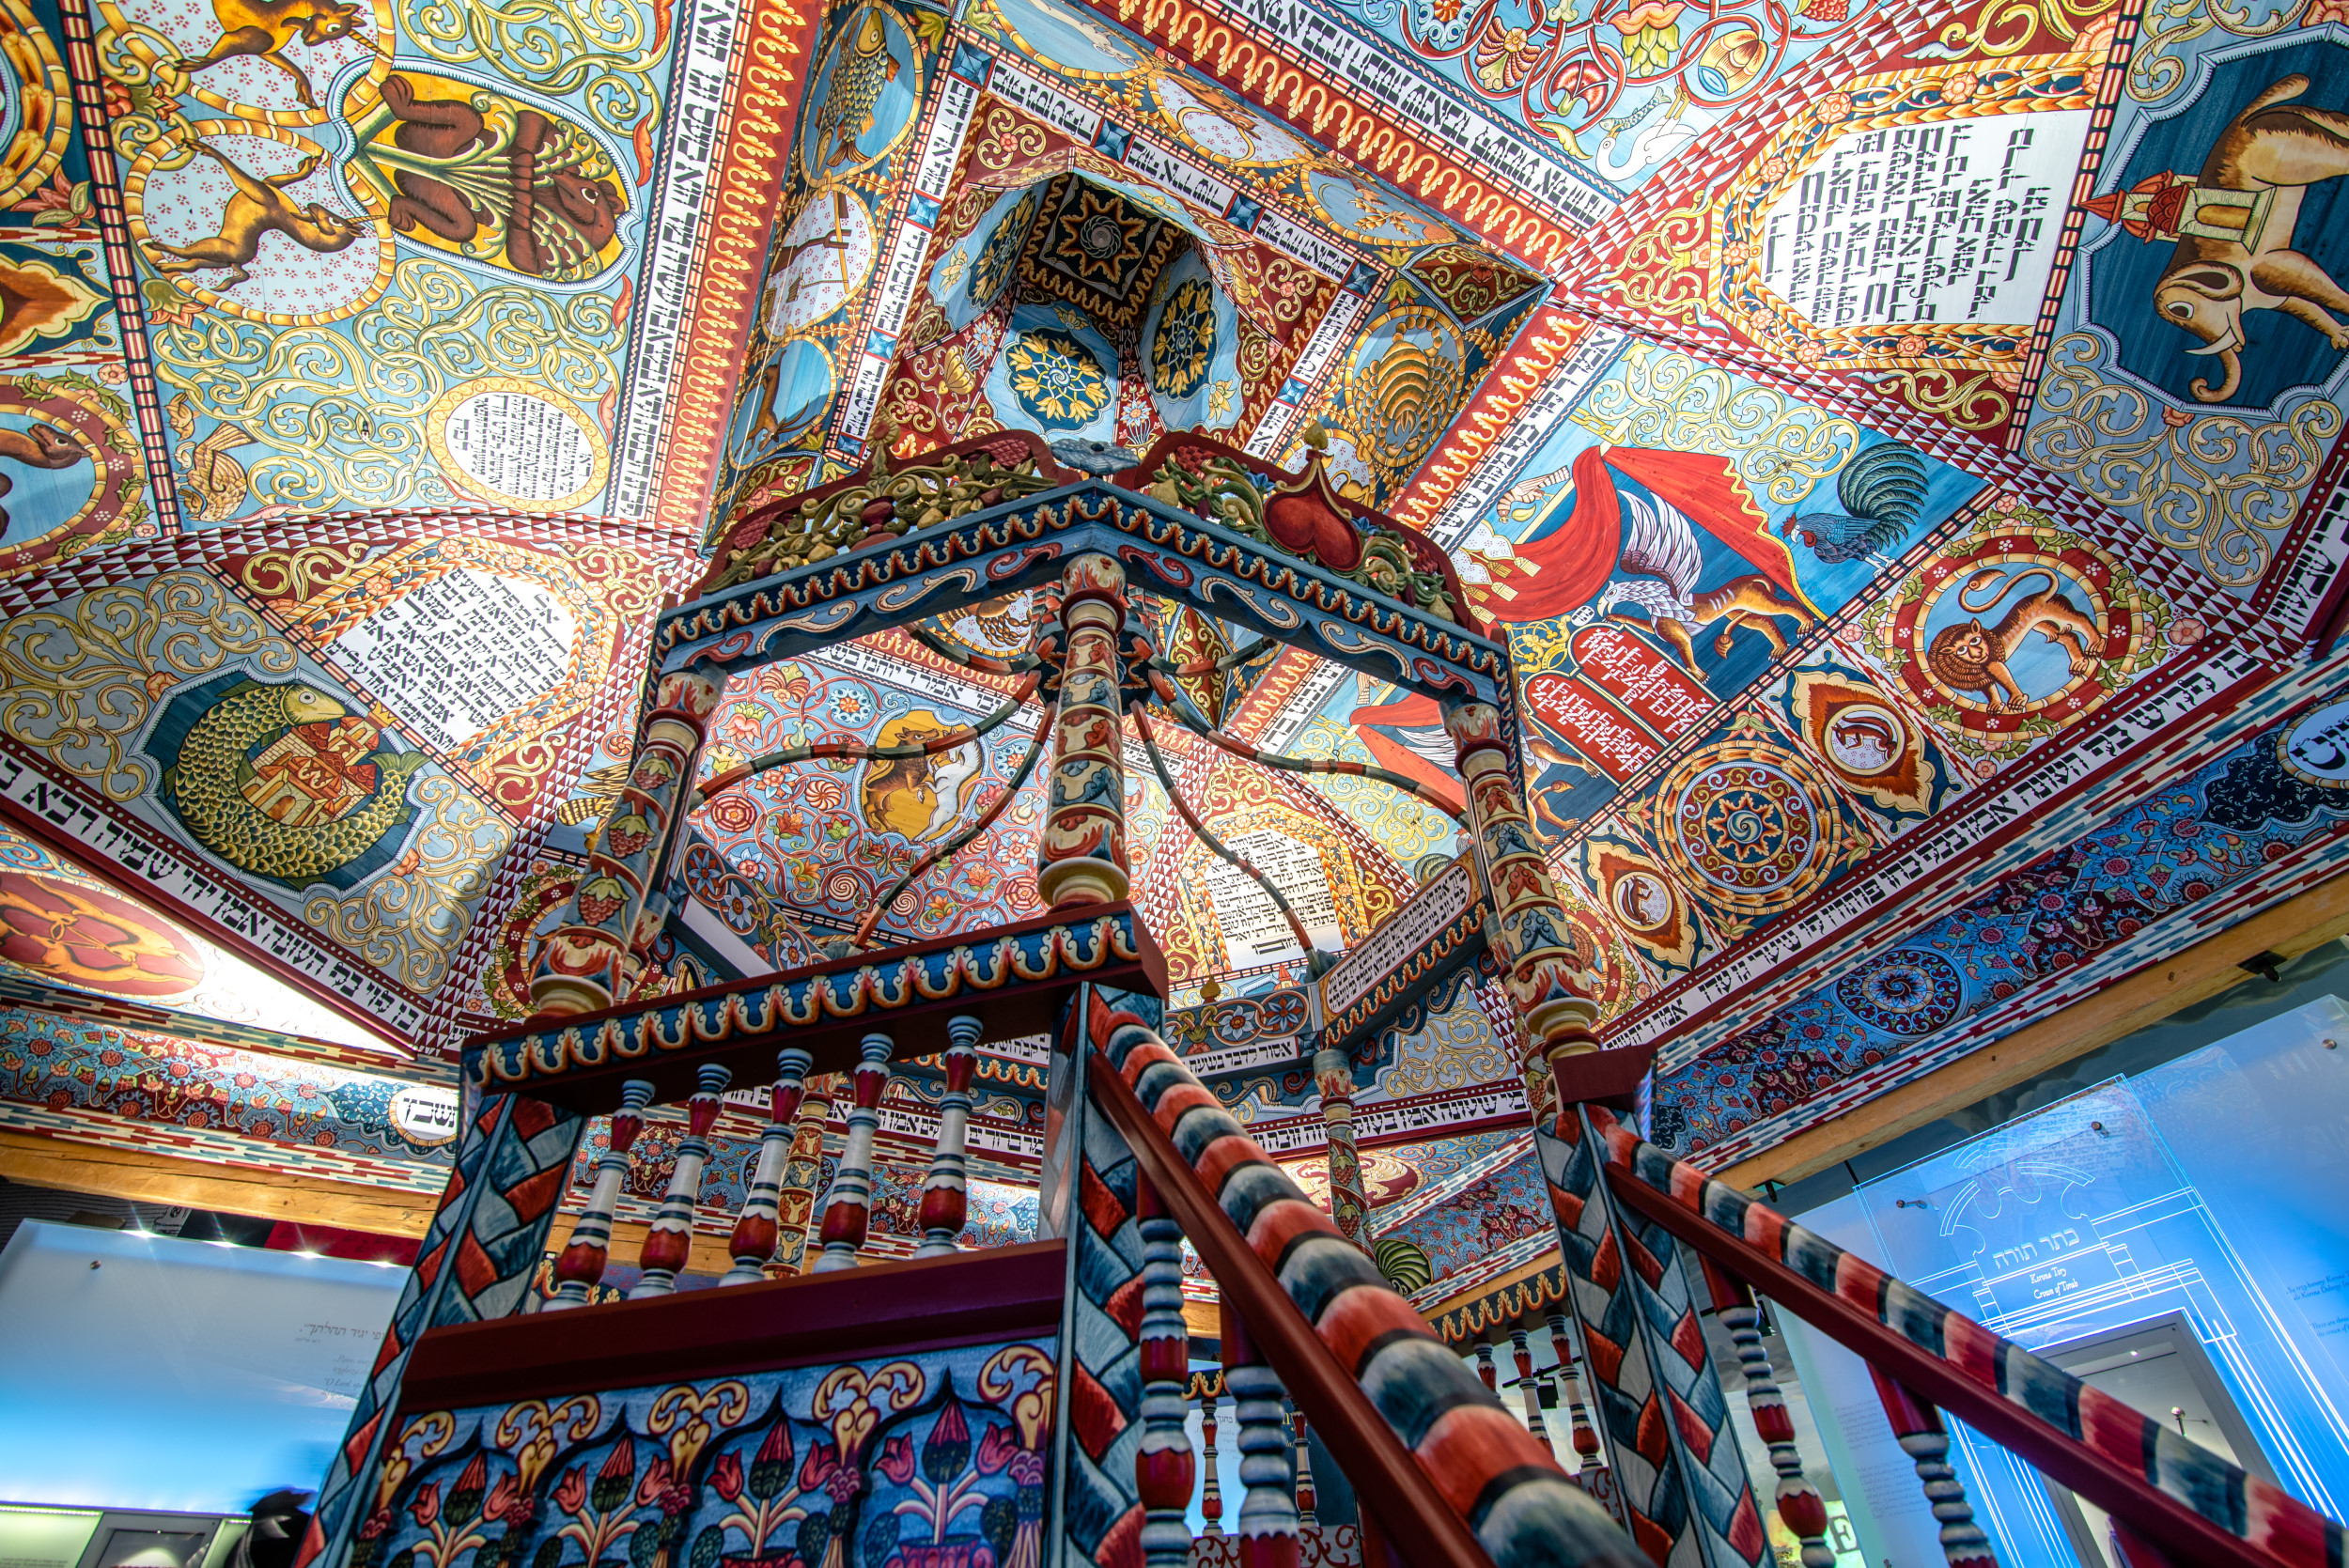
(1900, 448)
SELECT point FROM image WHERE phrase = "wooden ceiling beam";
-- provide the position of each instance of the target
(2143, 997)
(138, 1177)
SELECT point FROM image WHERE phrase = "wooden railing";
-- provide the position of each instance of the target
(845, 1207)
(2171, 1500)
(1363, 1367)
(1443, 1474)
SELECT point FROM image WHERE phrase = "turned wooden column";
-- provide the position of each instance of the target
(588, 962)
(669, 1244)
(1306, 1516)
(1538, 967)
(1680, 1517)
(1081, 857)
(1917, 1426)
(946, 1191)
(579, 1268)
(1268, 1507)
(802, 1173)
(1526, 1386)
(1210, 1386)
(1164, 1464)
(754, 1233)
(1577, 1415)
(1349, 1205)
(1801, 1507)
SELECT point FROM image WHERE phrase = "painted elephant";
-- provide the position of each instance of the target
(2210, 282)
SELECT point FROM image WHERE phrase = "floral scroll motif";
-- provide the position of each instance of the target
(608, 55)
(83, 681)
(2159, 65)
(1782, 448)
(342, 418)
(78, 681)
(2218, 488)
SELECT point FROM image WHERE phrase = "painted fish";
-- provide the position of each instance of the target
(211, 787)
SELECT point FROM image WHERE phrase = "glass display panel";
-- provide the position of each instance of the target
(146, 1372)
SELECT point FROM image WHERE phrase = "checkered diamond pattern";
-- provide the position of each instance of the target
(478, 1256)
(1677, 1467)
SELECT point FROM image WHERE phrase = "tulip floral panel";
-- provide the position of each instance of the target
(930, 1460)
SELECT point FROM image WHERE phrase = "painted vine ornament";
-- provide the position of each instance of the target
(1543, 978)
(884, 505)
(80, 432)
(586, 963)
(1081, 857)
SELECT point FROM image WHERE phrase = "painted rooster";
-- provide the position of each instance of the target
(1882, 492)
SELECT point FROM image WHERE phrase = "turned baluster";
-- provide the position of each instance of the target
(1484, 1367)
(754, 1233)
(1163, 1471)
(1210, 1389)
(1577, 1414)
(1916, 1427)
(849, 1203)
(579, 1268)
(1268, 1508)
(1304, 1453)
(1528, 1387)
(1801, 1507)
(946, 1199)
(670, 1242)
(795, 1208)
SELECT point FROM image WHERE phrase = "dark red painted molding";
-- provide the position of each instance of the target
(1609, 1076)
(929, 1303)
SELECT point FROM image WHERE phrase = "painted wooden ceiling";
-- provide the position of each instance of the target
(1900, 444)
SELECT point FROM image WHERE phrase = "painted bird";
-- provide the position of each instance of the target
(1882, 492)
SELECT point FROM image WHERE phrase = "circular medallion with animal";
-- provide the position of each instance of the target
(921, 796)
(2019, 627)
(67, 467)
(1641, 901)
(283, 780)
(1863, 739)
